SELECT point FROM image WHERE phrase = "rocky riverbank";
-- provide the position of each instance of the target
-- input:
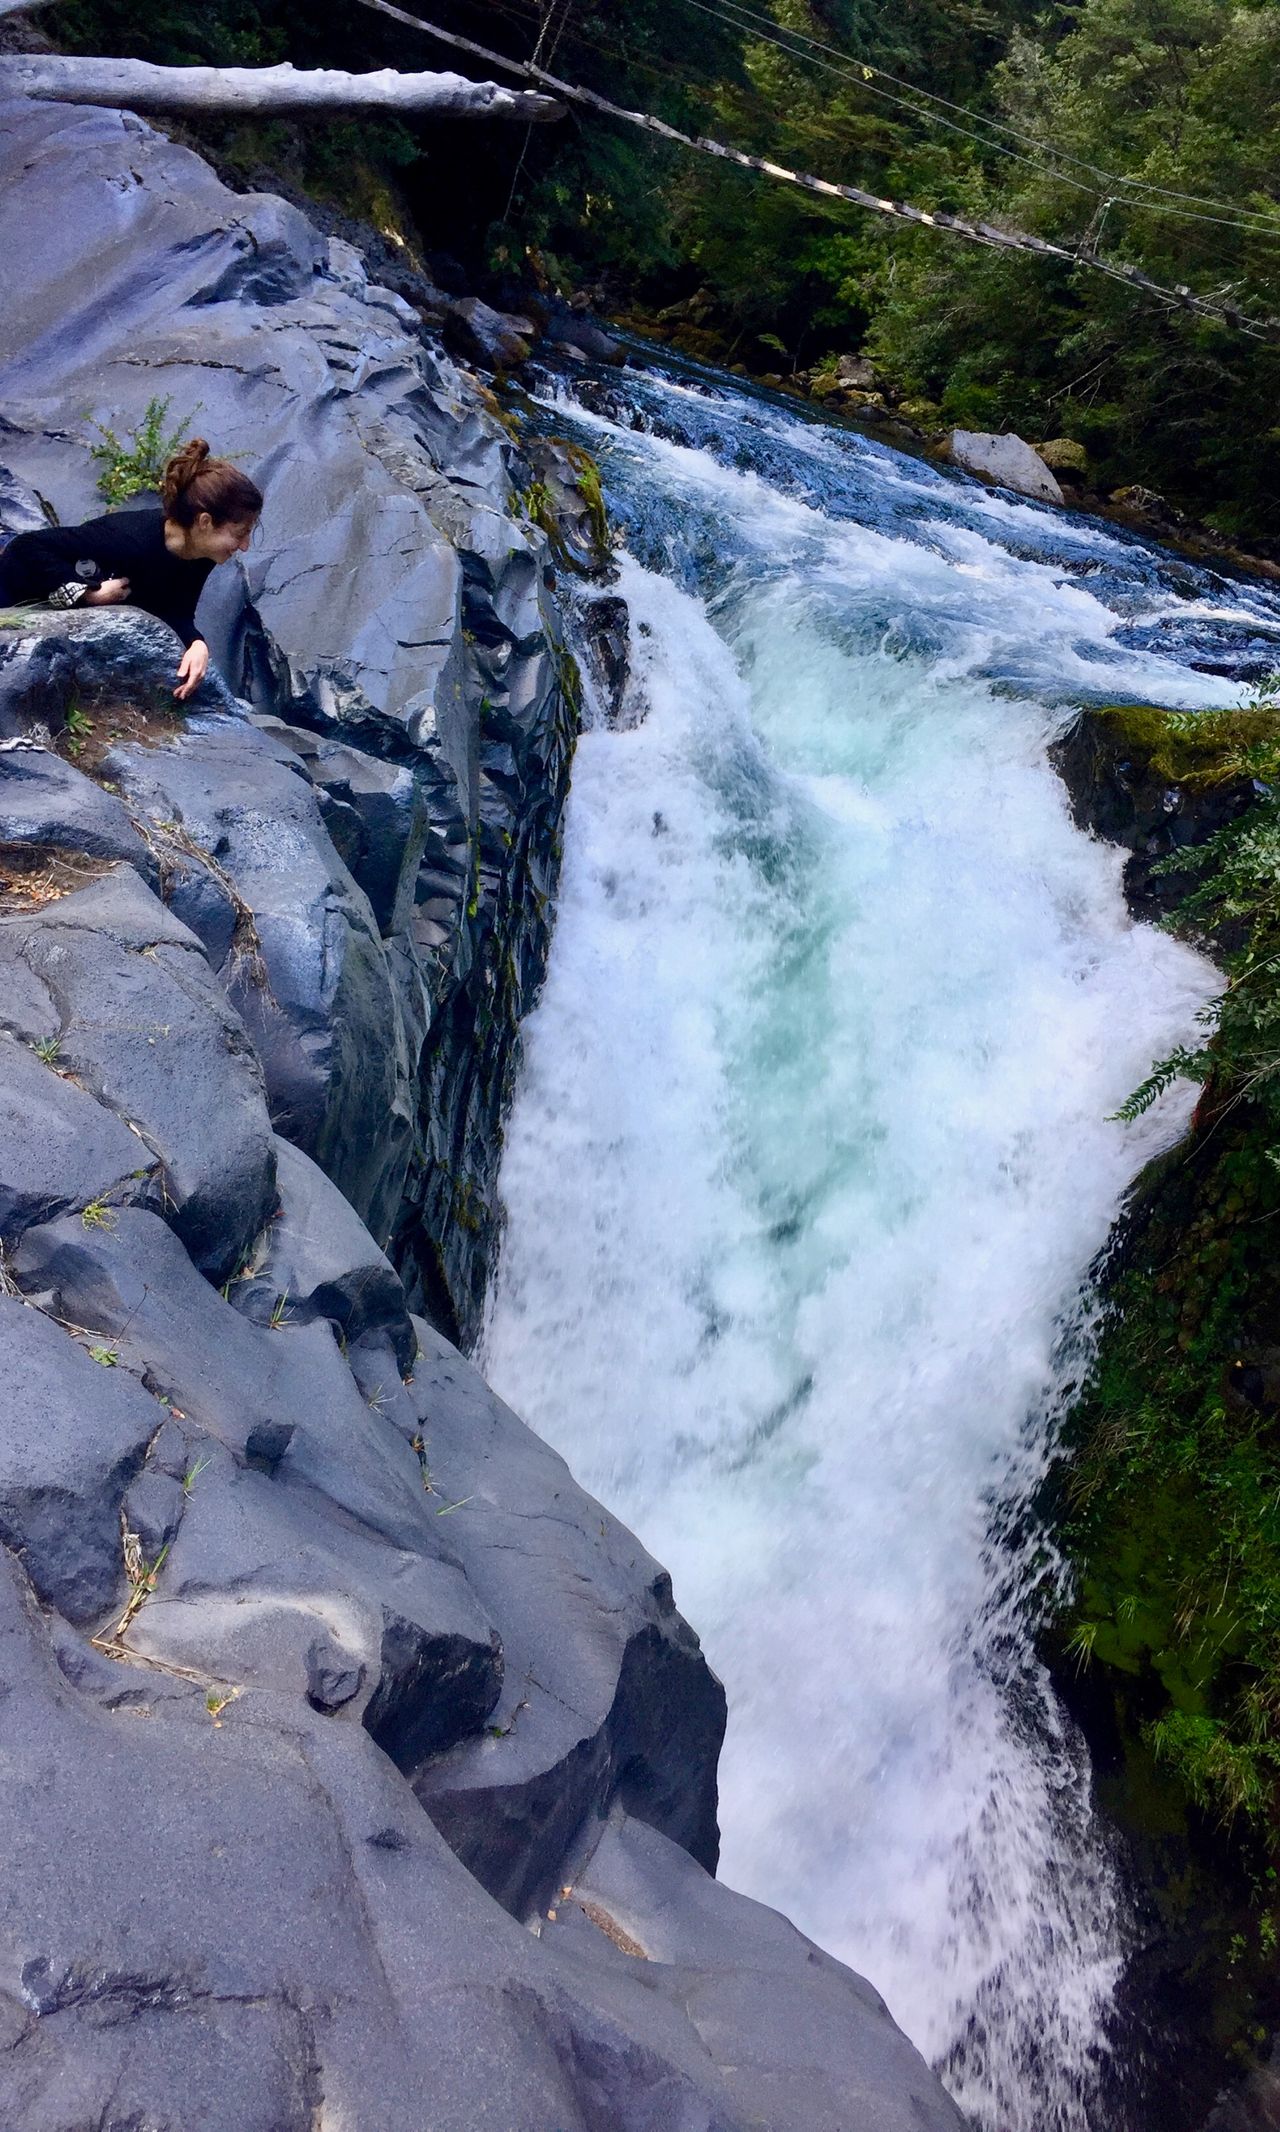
(361, 1770)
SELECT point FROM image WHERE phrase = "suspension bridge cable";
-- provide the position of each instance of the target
(984, 233)
(1109, 178)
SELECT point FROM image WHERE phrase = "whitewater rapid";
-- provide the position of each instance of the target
(808, 1161)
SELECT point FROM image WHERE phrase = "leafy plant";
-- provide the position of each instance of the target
(98, 1215)
(79, 726)
(131, 464)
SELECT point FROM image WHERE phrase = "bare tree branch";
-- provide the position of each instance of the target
(135, 85)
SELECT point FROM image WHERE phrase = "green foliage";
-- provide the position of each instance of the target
(1238, 886)
(1174, 1487)
(1221, 1777)
(1174, 98)
(130, 465)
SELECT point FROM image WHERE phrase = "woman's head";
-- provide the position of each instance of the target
(214, 504)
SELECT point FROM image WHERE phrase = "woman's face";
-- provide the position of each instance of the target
(210, 543)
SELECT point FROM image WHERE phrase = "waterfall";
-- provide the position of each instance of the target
(810, 1157)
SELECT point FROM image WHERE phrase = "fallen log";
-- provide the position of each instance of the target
(282, 91)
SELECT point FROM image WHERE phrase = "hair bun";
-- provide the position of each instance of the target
(182, 469)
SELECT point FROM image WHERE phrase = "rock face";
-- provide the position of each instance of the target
(396, 606)
(1006, 462)
(359, 1767)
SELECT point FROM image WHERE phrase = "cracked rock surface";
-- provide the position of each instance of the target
(359, 1768)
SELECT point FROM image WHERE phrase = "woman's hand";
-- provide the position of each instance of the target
(192, 668)
(109, 593)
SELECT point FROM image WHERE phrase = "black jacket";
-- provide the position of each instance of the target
(123, 544)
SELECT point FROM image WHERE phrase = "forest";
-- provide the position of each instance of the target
(1130, 132)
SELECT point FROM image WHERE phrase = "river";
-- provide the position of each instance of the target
(811, 1154)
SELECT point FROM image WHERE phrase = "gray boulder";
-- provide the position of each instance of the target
(50, 659)
(73, 1433)
(307, 972)
(495, 340)
(375, 813)
(46, 804)
(20, 510)
(305, 1519)
(802, 2044)
(1006, 462)
(317, 1260)
(282, 1925)
(606, 1693)
(59, 1150)
(145, 1029)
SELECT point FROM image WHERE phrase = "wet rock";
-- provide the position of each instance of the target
(1006, 462)
(571, 328)
(20, 508)
(143, 1026)
(565, 499)
(605, 633)
(606, 1693)
(493, 339)
(375, 813)
(1138, 781)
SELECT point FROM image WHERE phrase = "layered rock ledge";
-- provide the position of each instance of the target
(360, 1771)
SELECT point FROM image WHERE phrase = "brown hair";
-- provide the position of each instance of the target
(193, 482)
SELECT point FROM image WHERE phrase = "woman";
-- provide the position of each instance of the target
(157, 559)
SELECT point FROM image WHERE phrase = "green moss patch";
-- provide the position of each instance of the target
(1193, 748)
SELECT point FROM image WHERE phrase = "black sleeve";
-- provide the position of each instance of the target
(35, 564)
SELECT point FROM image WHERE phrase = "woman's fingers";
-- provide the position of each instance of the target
(192, 668)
